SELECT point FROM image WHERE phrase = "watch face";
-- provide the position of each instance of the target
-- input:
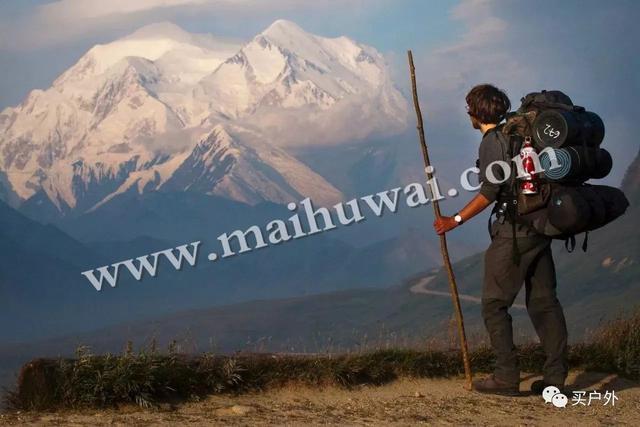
(458, 218)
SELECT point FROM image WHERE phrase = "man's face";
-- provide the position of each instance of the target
(474, 122)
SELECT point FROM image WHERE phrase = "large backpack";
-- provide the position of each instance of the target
(565, 204)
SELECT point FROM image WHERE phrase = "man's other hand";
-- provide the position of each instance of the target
(444, 224)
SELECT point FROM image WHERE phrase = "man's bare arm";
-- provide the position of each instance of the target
(473, 208)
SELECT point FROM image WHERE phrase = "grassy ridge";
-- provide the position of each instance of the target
(149, 377)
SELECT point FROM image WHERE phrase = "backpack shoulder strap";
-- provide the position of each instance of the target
(510, 145)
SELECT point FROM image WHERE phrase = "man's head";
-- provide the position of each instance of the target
(487, 105)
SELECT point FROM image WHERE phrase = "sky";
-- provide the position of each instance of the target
(586, 48)
(39, 40)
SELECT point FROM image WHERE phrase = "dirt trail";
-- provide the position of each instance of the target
(404, 402)
(422, 287)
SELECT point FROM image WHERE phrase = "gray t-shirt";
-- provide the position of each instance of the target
(491, 150)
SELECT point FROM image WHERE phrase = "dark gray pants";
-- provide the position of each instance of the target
(503, 280)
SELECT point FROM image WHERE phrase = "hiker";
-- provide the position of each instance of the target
(516, 255)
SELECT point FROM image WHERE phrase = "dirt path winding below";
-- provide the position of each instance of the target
(422, 287)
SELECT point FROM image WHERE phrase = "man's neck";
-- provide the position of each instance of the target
(484, 128)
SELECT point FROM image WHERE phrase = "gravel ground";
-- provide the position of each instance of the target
(403, 402)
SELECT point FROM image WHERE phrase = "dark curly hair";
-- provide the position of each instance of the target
(487, 103)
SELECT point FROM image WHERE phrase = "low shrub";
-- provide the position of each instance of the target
(146, 378)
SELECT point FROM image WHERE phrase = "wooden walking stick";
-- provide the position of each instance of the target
(443, 239)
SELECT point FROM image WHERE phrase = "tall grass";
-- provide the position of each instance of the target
(616, 347)
(148, 377)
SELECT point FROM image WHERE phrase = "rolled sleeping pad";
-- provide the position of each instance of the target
(604, 164)
(593, 128)
(559, 128)
(564, 164)
(576, 164)
(576, 209)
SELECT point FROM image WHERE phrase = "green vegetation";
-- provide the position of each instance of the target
(149, 377)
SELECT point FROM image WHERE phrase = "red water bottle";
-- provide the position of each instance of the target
(529, 184)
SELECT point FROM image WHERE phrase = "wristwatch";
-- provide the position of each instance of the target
(457, 218)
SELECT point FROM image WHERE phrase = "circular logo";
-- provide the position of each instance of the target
(559, 400)
(549, 392)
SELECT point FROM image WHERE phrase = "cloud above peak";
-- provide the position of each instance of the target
(67, 21)
(88, 9)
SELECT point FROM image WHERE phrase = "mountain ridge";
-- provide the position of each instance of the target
(131, 107)
(631, 181)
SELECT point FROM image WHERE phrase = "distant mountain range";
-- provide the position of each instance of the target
(44, 294)
(163, 109)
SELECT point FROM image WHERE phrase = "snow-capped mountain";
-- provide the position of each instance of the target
(240, 167)
(286, 68)
(163, 109)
